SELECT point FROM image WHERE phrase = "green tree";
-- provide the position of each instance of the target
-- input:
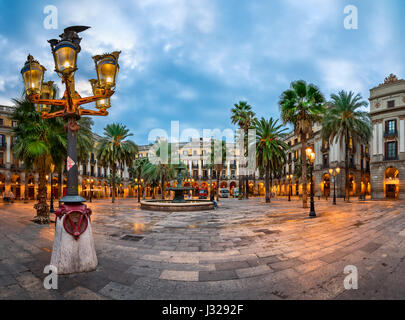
(163, 171)
(270, 148)
(347, 123)
(114, 150)
(302, 106)
(217, 161)
(39, 143)
(138, 172)
(243, 116)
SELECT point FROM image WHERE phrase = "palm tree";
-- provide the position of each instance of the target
(243, 116)
(218, 164)
(302, 106)
(270, 149)
(161, 173)
(39, 143)
(138, 172)
(347, 123)
(113, 180)
(114, 150)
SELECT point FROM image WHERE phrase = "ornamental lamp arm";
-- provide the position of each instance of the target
(107, 94)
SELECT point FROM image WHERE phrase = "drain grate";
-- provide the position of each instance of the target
(130, 237)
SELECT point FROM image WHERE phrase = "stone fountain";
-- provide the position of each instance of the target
(178, 203)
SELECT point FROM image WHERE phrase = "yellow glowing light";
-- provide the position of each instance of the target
(66, 65)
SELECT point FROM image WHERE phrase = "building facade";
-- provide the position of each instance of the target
(376, 169)
(387, 111)
(327, 156)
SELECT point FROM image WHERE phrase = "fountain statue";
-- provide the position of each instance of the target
(179, 190)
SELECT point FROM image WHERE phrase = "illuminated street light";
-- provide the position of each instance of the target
(73, 217)
(334, 173)
(311, 157)
(289, 178)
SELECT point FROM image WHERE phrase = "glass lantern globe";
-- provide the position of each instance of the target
(97, 91)
(107, 68)
(33, 75)
(65, 56)
(46, 93)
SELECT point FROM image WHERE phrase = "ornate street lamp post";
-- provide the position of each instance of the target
(334, 173)
(52, 209)
(73, 249)
(289, 178)
(311, 158)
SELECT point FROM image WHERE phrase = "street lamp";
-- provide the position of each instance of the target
(311, 158)
(137, 189)
(73, 216)
(334, 173)
(52, 209)
(289, 178)
(33, 76)
(91, 188)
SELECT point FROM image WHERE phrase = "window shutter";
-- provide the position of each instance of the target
(396, 149)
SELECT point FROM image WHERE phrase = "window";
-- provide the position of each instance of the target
(391, 150)
(14, 124)
(391, 126)
(1, 122)
(325, 161)
(1, 158)
(391, 104)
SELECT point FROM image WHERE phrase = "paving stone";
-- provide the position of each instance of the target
(81, 293)
(231, 265)
(179, 275)
(253, 271)
(230, 254)
(217, 275)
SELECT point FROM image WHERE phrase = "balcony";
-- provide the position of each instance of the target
(391, 134)
(3, 145)
(391, 158)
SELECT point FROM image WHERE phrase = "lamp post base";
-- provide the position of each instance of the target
(73, 252)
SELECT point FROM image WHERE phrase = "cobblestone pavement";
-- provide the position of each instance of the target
(244, 250)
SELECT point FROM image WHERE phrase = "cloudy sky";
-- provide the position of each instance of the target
(191, 60)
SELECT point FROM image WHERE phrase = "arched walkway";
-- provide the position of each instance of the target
(325, 185)
(391, 183)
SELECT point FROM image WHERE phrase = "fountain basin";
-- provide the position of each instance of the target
(169, 206)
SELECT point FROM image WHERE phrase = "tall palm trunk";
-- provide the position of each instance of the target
(347, 191)
(247, 185)
(304, 170)
(267, 183)
(114, 169)
(217, 187)
(42, 207)
(138, 186)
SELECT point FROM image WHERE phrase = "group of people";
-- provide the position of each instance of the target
(9, 197)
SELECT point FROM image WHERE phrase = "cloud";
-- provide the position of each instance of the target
(341, 74)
